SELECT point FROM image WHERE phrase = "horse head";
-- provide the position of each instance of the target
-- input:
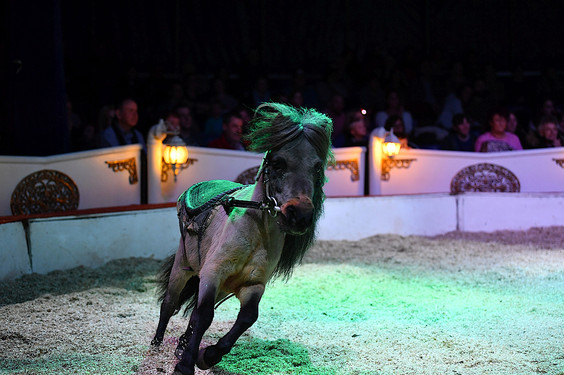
(297, 145)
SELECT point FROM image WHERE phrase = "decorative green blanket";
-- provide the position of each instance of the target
(207, 193)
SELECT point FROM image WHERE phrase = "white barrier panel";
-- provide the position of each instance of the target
(429, 171)
(14, 258)
(488, 212)
(356, 218)
(91, 240)
(99, 183)
(345, 179)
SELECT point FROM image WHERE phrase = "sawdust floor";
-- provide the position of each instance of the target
(461, 303)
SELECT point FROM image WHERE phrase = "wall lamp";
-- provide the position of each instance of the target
(175, 156)
(391, 147)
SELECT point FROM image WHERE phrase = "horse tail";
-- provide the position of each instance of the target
(164, 276)
(189, 293)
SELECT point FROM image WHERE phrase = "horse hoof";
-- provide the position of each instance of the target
(201, 363)
(179, 369)
(155, 343)
(182, 345)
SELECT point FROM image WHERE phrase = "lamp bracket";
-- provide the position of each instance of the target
(175, 168)
(389, 163)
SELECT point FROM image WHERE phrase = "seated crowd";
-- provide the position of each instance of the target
(470, 117)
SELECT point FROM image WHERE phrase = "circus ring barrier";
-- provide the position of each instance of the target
(415, 200)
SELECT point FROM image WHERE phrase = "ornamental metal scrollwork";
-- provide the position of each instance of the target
(44, 191)
(484, 177)
(125, 165)
(389, 163)
(179, 167)
(247, 177)
(560, 162)
(351, 165)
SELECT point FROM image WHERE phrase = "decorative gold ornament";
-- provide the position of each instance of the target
(247, 177)
(175, 168)
(125, 165)
(351, 165)
(389, 163)
(44, 191)
(484, 177)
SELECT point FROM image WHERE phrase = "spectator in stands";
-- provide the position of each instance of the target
(220, 94)
(189, 131)
(497, 139)
(514, 126)
(123, 132)
(356, 131)
(394, 106)
(214, 122)
(230, 138)
(395, 122)
(172, 122)
(460, 138)
(548, 133)
(455, 103)
(261, 92)
(336, 111)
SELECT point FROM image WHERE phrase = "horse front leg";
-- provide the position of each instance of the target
(200, 320)
(248, 314)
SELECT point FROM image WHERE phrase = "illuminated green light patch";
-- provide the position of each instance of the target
(357, 293)
(271, 357)
(352, 317)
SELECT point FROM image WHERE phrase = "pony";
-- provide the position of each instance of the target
(244, 236)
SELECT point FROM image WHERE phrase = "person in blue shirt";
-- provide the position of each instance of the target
(122, 130)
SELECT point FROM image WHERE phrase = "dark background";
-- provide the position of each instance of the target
(84, 49)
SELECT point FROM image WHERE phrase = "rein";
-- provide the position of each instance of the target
(268, 204)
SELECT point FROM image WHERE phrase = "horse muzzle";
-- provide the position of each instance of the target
(297, 215)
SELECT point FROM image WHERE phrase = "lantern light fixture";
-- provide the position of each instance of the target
(175, 154)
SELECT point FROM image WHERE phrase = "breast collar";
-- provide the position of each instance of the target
(268, 203)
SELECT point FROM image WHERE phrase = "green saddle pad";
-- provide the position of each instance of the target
(202, 193)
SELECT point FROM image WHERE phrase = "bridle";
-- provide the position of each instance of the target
(269, 203)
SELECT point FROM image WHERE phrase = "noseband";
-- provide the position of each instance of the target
(269, 203)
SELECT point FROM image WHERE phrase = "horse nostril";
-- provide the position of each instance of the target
(299, 218)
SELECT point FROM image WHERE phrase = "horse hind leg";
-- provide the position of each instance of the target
(179, 287)
(248, 314)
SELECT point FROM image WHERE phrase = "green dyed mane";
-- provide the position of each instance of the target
(276, 125)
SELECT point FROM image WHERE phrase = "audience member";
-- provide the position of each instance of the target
(214, 122)
(356, 131)
(455, 103)
(122, 131)
(394, 106)
(548, 133)
(396, 123)
(260, 92)
(514, 126)
(460, 138)
(172, 122)
(230, 138)
(189, 131)
(310, 98)
(336, 111)
(220, 94)
(497, 139)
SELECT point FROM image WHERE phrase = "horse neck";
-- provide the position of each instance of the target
(259, 192)
(259, 195)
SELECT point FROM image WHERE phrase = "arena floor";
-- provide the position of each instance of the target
(461, 303)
